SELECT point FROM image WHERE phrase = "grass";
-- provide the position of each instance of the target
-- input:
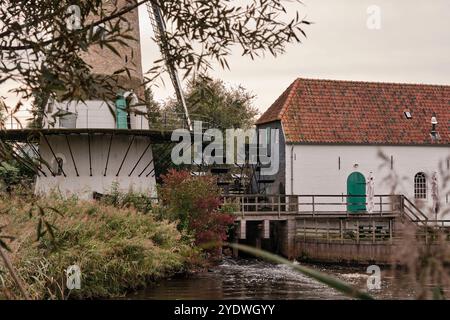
(117, 250)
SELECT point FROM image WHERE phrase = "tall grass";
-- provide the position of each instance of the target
(117, 249)
(421, 262)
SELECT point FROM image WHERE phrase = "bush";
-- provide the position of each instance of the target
(139, 201)
(117, 250)
(194, 202)
(14, 175)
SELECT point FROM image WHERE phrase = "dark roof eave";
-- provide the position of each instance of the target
(21, 135)
(267, 121)
(381, 144)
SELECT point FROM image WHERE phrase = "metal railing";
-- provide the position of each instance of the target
(165, 121)
(313, 204)
(175, 120)
(18, 120)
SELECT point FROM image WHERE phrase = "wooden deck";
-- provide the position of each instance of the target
(314, 205)
(321, 227)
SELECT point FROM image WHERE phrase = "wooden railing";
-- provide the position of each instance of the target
(342, 229)
(326, 217)
(413, 213)
(312, 204)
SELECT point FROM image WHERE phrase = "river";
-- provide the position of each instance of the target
(253, 279)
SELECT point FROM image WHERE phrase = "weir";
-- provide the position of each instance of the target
(323, 228)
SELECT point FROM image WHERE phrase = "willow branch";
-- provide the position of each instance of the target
(97, 23)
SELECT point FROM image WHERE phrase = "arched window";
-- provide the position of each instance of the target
(420, 186)
(58, 166)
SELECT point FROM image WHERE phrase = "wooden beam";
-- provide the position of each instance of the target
(71, 155)
(266, 229)
(109, 152)
(242, 230)
(140, 158)
(125, 156)
(54, 155)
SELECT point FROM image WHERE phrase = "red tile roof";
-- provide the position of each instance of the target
(331, 111)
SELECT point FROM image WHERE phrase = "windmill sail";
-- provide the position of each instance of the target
(159, 29)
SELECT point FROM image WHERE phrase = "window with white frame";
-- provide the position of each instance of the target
(420, 186)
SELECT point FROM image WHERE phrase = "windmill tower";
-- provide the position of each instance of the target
(89, 147)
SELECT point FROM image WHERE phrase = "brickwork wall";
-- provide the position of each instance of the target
(105, 62)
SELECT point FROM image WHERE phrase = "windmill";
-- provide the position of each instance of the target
(84, 149)
(159, 29)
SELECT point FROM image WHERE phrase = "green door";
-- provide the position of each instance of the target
(121, 113)
(356, 191)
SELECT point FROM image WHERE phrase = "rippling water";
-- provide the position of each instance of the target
(253, 279)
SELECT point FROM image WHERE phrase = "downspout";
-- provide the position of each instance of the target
(292, 170)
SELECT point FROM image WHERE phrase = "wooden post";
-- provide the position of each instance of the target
(297, 204)
(373, 231)
(279, 206)
(328, 230)
(236, 241)
(290, 237)
(357, 231)
(304, 229)
(381, 205)
(391, 225)
(242, 230)
(313, 206)
(317, 231)
(266, 228)
(259, 235)
(341, 231)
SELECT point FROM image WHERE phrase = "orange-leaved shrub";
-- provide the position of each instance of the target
(194, 201)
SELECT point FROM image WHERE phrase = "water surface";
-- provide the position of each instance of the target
(253, 279)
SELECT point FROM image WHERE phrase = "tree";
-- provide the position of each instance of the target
(222, 107)
(154, 112)
(194, 202)
(41, 52)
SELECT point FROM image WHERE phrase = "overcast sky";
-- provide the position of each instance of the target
(413, 45)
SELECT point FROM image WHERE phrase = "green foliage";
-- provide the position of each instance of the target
(223, 107)
(194, 202)
(139, 201)
(154, 111)
(199, 33)
(14, 175)
(9, 174)
(117, 249)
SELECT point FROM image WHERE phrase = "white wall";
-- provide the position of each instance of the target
(85, 185)
(316, 168)
(93, 114)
